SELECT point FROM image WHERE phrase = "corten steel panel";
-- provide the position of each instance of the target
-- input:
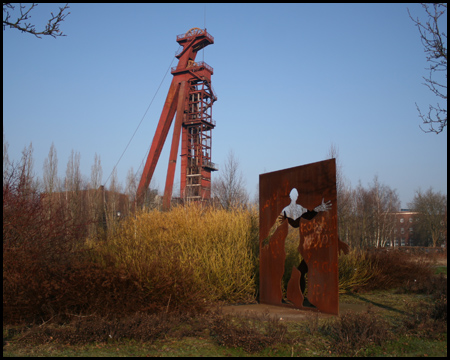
(318, 238)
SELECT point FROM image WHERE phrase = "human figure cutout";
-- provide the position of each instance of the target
(294, 213)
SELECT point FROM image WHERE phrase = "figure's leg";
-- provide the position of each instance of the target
(303, 268)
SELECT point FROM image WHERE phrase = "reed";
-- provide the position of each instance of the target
(214, 244)
(355, 270)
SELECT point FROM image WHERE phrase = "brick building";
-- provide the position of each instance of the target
(403, 234)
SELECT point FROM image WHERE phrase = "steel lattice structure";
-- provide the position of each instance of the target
(191, 97)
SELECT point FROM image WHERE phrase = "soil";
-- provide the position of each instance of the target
(285, 313)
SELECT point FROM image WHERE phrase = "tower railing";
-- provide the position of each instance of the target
(195, 66)
(203, 32)
(200, 120)
(210, 164)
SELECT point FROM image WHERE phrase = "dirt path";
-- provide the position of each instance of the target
(286, 313)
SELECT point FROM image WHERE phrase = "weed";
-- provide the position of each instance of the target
(395, 268)
(352, 332)
(355, 270)
(429, 320)
(312, 323)
(213, 245)
(434, 285)
(95, 329)
(252, 334)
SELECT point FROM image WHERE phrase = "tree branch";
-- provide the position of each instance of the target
(52, 27)
(434, 43)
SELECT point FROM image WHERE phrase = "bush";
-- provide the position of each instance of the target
(82, 289)
(39, 246)
(355, 270)
(214, 246)
(428, 320)
(96, 329)
(49, 272)
(252, 334)
(435, 285)
(293, 257)
(395, 269)
(352, 332)
(80, 330)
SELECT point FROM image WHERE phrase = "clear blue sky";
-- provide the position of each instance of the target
(291, 79)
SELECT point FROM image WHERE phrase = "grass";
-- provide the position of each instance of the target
(402, 346)
(355, 270)
(440, 270)
(146, 291)
(214, 244)
(197, 337)
(406, 346)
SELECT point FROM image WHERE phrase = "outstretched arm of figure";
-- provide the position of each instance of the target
(309, 215)
(342, 246)
(325, 206)
(280, 219)
(294, 223)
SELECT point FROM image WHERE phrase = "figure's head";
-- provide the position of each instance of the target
(293, 194)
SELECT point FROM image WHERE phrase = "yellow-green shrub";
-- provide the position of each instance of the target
(293, 257)
(216, 245)
(355, 270)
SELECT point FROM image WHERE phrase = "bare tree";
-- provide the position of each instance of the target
(96, 172)
(111, 204)
(361, 217)
(385, 201)
(371, 223)
(434, 41)
(28, 179)
(6, 163)
(229, 188)
(52, 27)
(72, 185)
(344, 195)
(432, 214)
(73, 175)
(114, 184)
(94, 196)
(131, 185)
(51, 171)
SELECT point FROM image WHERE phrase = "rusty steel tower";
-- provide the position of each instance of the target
(191, 97)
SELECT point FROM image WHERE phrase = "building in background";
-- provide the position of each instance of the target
(407, 231)
(403, 234)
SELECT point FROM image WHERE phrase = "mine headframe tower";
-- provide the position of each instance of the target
(191, 97)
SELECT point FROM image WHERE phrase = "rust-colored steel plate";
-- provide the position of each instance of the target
(302, 197)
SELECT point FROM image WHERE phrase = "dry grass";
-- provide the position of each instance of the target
(355, 270)
(156, 262)
(252, 333)
(397, 268)
(293, 257)
(352, 332)
(215, 245)
(425, 319)
(163, 262)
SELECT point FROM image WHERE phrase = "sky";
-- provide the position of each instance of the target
(291, 80)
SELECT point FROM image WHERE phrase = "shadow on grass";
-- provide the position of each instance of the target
(385, 307)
